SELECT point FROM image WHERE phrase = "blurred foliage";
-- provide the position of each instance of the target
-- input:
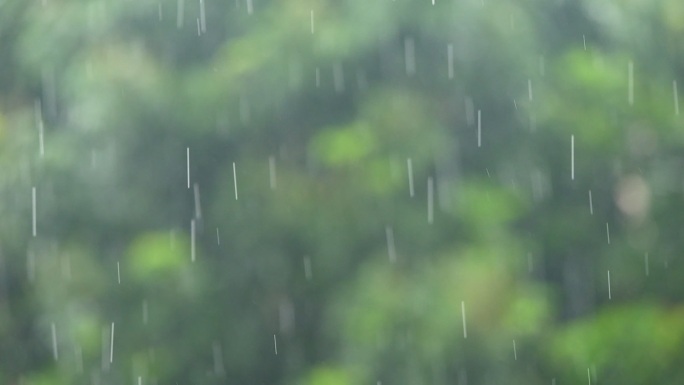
(341, 192)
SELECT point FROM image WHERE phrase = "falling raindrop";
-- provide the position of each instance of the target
(515, 351)
(312, 21)
(409, 166)
(111, 345)
(235, 181)
(431, 198)
(180, 13)
(203, 17)
(675, 97)
(33, 211)
(463, 318)
(391, 251)
(187, 162)
(272, 172)
(572, 157)
(630, 83)
(39, 121)
(275, 344)
(198, 208)
(192, 240)
(55, 352)
(529, 89)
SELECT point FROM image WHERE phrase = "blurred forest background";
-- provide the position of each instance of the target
(334, 192)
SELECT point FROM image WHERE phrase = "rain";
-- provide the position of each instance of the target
(338, 192)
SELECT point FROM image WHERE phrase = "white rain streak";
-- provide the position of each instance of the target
(159, 11)
(338, 78)
(529, 89)
(312, 21)
(646, 264)
(55, 351)
(463, 318)
(218, 237)
(630, 82)
(192, 240)
(145, 312)
(430, 200)
(218, 358)
(275, 344)
(272, 172)
(675, 96)
(391, 249)
(180, 13)
(307, 268)
(250, 7)
(591, 204)
(118, 272)
(450, 60)
(410, 56)
(584, 42)
(409, 166)
(608, 233)
(187, 162)
(515, 104)
(572, 157)
(41, 128)
(318, 77)
(198, 207)
(139, 380)
(589, 375)
(203, 17)
(33, 212)
(515, 351)
(479, 128)
(609, 293)
(111, 345)
(235, 181)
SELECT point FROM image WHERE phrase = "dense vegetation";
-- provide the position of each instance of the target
(333, 192)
